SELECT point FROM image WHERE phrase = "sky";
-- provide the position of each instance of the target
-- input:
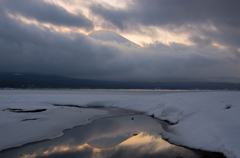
(175, 40)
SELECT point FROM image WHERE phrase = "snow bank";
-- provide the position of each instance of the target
(20, 128)
(202, 120)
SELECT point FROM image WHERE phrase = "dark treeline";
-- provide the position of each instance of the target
(8, 80)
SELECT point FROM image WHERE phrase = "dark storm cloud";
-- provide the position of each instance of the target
(165, 12)
(26, 48)
(86, 152)
(46, 12)
(196, 17)
(201, 41)
(142, 152)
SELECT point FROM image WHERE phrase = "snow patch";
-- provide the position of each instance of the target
(202, 120)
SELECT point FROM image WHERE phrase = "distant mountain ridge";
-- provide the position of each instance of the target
(110, 36)
(33, 81)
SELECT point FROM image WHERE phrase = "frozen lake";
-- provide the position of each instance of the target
(127, 136)
(206, 120)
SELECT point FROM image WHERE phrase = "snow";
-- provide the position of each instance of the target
(14, 131)
(201, 118)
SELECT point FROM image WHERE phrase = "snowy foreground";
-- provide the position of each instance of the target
(202, 120)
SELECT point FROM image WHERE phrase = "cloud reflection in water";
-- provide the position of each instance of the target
(111, 137)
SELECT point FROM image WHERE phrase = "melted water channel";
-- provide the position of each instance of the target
(127, 137)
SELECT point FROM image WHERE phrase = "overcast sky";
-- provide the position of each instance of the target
(178, 40)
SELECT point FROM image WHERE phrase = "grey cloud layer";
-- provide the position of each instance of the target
(46, 12)
(27, 48)
(196, 17)
(165, 12)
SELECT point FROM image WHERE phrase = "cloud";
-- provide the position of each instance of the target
(28, 48)
(177, 13)
(201, 41)
(216, 20)
(47, 13)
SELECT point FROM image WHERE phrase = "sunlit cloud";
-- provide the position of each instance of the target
(177, 41)
(56, 149)
(138, 37)
(145, 139)
(42, 25)
(151, 145)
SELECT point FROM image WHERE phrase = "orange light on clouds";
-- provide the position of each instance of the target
(161, 35)
(134, 142)
(58, 149)
(145, 34)
(142, 38)
(42, 25)
(219, 46)
(144, 139)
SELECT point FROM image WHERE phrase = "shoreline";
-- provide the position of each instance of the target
(190, 112)
(121, 113)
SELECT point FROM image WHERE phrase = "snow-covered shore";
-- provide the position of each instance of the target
(203, 120)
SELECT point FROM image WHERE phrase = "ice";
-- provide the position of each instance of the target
(21, 128)
(207, 120)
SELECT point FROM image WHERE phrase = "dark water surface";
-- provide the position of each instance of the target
(126, 137)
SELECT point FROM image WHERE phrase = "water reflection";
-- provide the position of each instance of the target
(111, 137)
